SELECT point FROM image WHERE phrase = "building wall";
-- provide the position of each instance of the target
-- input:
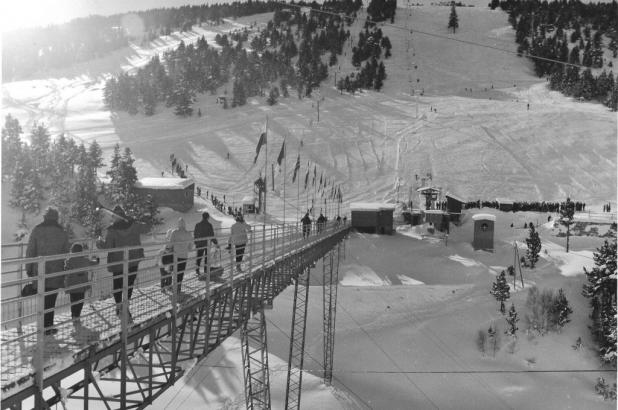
(178, 199)
(483, 239)
(378, 221)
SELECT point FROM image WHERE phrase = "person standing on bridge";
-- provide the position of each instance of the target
(180, 242)
(123, 232)
(306, 221)
(238, 239)
(78, 275)
(321, 222)
(202, 233)
(48, 238)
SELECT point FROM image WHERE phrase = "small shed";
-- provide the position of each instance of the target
(454, 205)
(413, 217)
(439, 219)
(431, 195)
(484, 231)
(374, 217)
(248, 205)
(175, 193)
(505, 204)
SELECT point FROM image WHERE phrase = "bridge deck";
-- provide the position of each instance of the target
(100, 325)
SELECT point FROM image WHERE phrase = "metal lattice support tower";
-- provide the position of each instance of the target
(297, 341)
(254, 349)
(330, 271)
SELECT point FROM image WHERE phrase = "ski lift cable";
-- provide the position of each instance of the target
(440, 36)
(387, 355)
(320, 364)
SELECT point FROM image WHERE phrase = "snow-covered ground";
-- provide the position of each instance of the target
(397, 346)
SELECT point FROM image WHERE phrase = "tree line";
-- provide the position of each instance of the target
(26, 51)
(570, 32)
(371, 74)
(64, 173)
(177, 77)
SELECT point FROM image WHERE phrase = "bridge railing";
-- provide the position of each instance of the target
(31, 347)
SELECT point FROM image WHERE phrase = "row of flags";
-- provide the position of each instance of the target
(325, 186)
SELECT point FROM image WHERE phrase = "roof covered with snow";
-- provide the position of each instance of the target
(484, 217)
(371, 206)
(248, 200)
(505, 201)
(427, 189)
(435, 211)
(455, 197)
(164, 183)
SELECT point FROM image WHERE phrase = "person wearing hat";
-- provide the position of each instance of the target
(238, 239)
(48, 238)
(203, 230)
(123, 232)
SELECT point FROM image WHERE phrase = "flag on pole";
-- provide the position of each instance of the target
(281, 156)
(296, 168)
(306, 178)
(261, 142)
(315, 171)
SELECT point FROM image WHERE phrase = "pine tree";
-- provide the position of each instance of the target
(453, 20)
(273, 95)
(500, 290)
(95, 155)
(11, 145)
(512, 320)
(567, 213)
(39, 148)
(492, 338)
(561, 310)
(534, 246)
(27, 190)
(601, 290)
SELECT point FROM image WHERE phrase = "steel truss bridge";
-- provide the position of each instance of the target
(126, 359)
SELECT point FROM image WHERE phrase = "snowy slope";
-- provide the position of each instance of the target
(479, 144)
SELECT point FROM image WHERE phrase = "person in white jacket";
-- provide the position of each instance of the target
(238, 238)
(180, 241)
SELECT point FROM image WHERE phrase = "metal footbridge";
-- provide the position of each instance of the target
(124, 357)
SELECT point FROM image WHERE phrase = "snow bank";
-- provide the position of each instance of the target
(408, 281)
(570, 264)
(464, 261)
(357, 275)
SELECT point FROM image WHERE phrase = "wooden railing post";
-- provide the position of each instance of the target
(208, 263)
(250, 244)
(40, 335)
(124, 316)
(174, 316)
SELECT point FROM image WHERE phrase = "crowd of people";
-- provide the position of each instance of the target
(534, 206)
(50, 238)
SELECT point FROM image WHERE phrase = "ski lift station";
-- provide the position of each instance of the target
(483, 232)
(175, 193)
(372, 217)
(248, 205)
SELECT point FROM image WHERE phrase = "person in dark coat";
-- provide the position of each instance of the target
(123, 232)
(78, 275)
(306, 221)
(203, 229)
(48, 238)
(321, 222)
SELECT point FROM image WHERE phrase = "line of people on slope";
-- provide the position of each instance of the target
(320, 223)
(49, 238)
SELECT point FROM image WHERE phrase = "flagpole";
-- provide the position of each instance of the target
(265, 171)
(285, 173)
(297, 188)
